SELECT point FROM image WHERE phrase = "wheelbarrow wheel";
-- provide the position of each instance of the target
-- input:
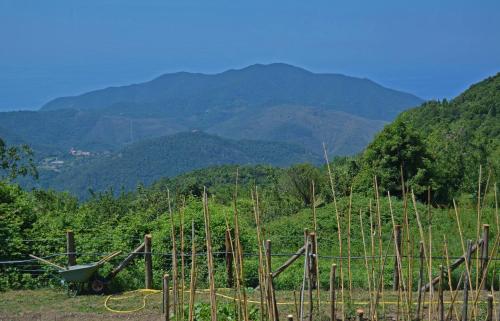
(73, 289)
(97, 285)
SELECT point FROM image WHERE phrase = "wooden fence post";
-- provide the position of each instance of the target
(332, 292)
(489, 315)
(314, 261)
(274, 305)
(70, 247)
(359, 314)
(484, 253)
(270, 303)
(229, 260)
(441, 294)
(466, 281)
(395, 278)
(148, 264)
(166, 299)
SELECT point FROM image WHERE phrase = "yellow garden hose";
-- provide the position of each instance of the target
(149, 292)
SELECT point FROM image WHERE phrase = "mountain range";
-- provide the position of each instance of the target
(276, 102)
(284, 106)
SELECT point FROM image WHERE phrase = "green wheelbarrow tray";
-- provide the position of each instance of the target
(79, 273)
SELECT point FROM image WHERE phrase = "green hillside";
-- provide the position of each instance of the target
(147, 161)
(440, 145)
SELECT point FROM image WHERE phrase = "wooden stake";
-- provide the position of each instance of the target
(262, 275)
(397, 259)
(126, 261)
(274, 305)
(466, 283)
(175, 275)
(269, 277)
(399, 283)
(484, 252)
(183, 286)
(210, 264)
(441, 296)
(70, 247)
(192, 285)
(420, 280)
(349, 272)
(310, 273)
(478, 223)
(313, 258)
(166, 299)
(332, 292)
(462, 242)
(450, 284)
(359, 314)
(339, 230)
(229, 260)
(380, 243)
(296, 302)
(148, 263)
(372, 312)
(239, 256)
(489, 314)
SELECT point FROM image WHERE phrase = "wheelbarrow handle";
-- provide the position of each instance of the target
(107, 258)
(48, 262)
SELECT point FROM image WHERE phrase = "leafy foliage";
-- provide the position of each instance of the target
(16, 161)
(397, 151)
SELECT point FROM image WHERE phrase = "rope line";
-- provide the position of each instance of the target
(248, 254)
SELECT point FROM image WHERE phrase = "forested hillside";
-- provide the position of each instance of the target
(440, 145)
(149, 160)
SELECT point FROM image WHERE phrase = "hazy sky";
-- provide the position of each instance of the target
(431, 48)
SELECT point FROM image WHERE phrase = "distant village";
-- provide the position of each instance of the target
(77, 152)
(55, 164)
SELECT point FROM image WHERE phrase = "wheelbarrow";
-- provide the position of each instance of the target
(75, 277)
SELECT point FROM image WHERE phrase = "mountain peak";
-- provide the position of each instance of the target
(251, 87)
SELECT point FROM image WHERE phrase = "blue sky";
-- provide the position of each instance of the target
(53, 48)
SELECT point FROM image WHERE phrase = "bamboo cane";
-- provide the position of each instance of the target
(239, 256)
(255, 202)
(192, 286)
(372, 243)
(398, 255)
(380, 243)
(478, 223)
(213, 300)
(175, 285)
(464, 250)
(431, 289)
(339, 231)
(372, 312)
(450, 284)
(349, 243)
(183, 286)
(316, 247)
